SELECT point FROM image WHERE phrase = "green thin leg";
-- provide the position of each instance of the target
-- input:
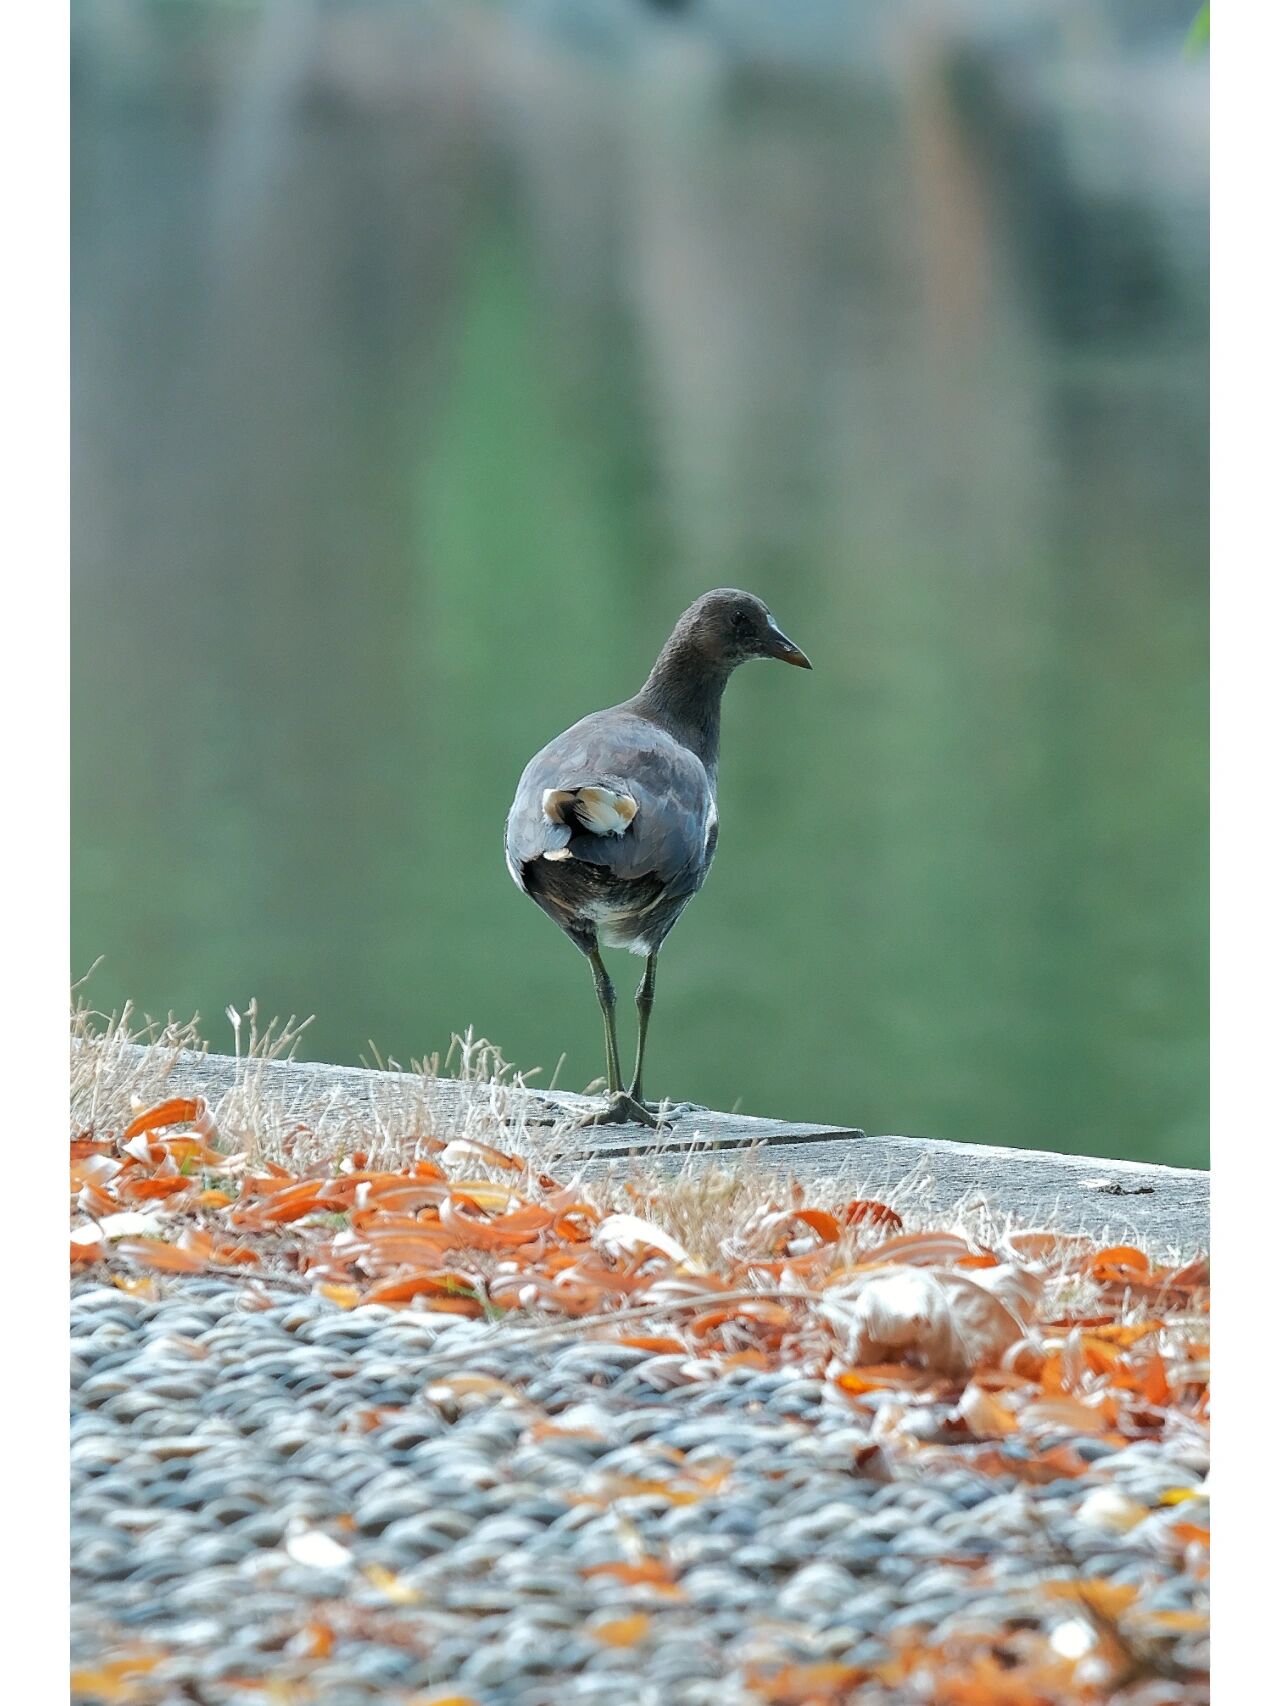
(644, 1006)
(608, 1000)
(620, 1108)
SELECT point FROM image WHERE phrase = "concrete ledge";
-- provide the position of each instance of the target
(1163, 1206)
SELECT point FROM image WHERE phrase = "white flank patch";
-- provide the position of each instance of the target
(603, 811)
(554, 801)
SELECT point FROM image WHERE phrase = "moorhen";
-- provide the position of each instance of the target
(613, 826)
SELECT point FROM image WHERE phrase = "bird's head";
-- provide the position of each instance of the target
(728, 627)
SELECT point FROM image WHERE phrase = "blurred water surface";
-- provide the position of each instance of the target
(429, 358)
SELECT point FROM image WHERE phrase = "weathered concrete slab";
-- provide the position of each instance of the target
(1164, 1206)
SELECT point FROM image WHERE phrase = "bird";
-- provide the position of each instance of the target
(614, 824)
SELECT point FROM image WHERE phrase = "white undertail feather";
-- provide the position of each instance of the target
(603, 811)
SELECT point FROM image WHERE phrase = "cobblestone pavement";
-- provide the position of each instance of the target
(297, 1495)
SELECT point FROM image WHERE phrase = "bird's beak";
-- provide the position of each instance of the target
(783, 649)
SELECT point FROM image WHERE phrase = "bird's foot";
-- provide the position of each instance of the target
(622, 1109)
(673, 1110)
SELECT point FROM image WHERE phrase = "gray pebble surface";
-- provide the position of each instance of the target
(316, 1499)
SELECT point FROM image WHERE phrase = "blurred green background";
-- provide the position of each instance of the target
(429, 358)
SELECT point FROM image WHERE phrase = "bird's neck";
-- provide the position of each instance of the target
(682, 695)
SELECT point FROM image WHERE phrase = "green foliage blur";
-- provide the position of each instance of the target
(429, 360)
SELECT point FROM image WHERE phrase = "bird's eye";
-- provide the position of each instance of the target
(741, 622)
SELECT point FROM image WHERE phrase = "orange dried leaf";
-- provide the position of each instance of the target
(622, 1631)
(240, 1254)
(431, 1290)
(685, 1490)
(258, 1185)
(142, 1190)
(471, 1149)
(1110, 1599)
(1040, 1246)
(485, 1193)
(179, 1110)
(874, 1377)
(345, 1296)
(866, 1209)
(113, 1680)
(1191, 1533)
(391, 1586)
(985, 1416)
(1176, 1622)
(652, 1572)
(807, 1684)
(188, 1148)
(743, 1359)
(1126, 1334)
(152, 1253)
(1119, 1257)
(95, 1202)
(820, 1221)
(1052, 1375)
(422, 1246)
(314, 1640)
(1063, 1460)
(573, 1224)
(295, 1201)
(84, 1146)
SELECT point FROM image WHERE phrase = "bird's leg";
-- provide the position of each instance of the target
(621, 1109)
(644, 1006)
(608, 1006)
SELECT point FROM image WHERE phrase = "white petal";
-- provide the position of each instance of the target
(126, 1225)
(1072, 1640)
(628, 1232)
(318, 1551)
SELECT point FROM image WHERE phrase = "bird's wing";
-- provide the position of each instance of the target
(616, 791)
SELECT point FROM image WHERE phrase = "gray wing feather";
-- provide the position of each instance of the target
(667, 838)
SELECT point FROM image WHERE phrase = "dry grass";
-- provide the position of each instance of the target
(121, 1062)
(712, 1205)
(723, 1209)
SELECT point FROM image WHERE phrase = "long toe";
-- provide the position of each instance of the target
(622, 1110)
